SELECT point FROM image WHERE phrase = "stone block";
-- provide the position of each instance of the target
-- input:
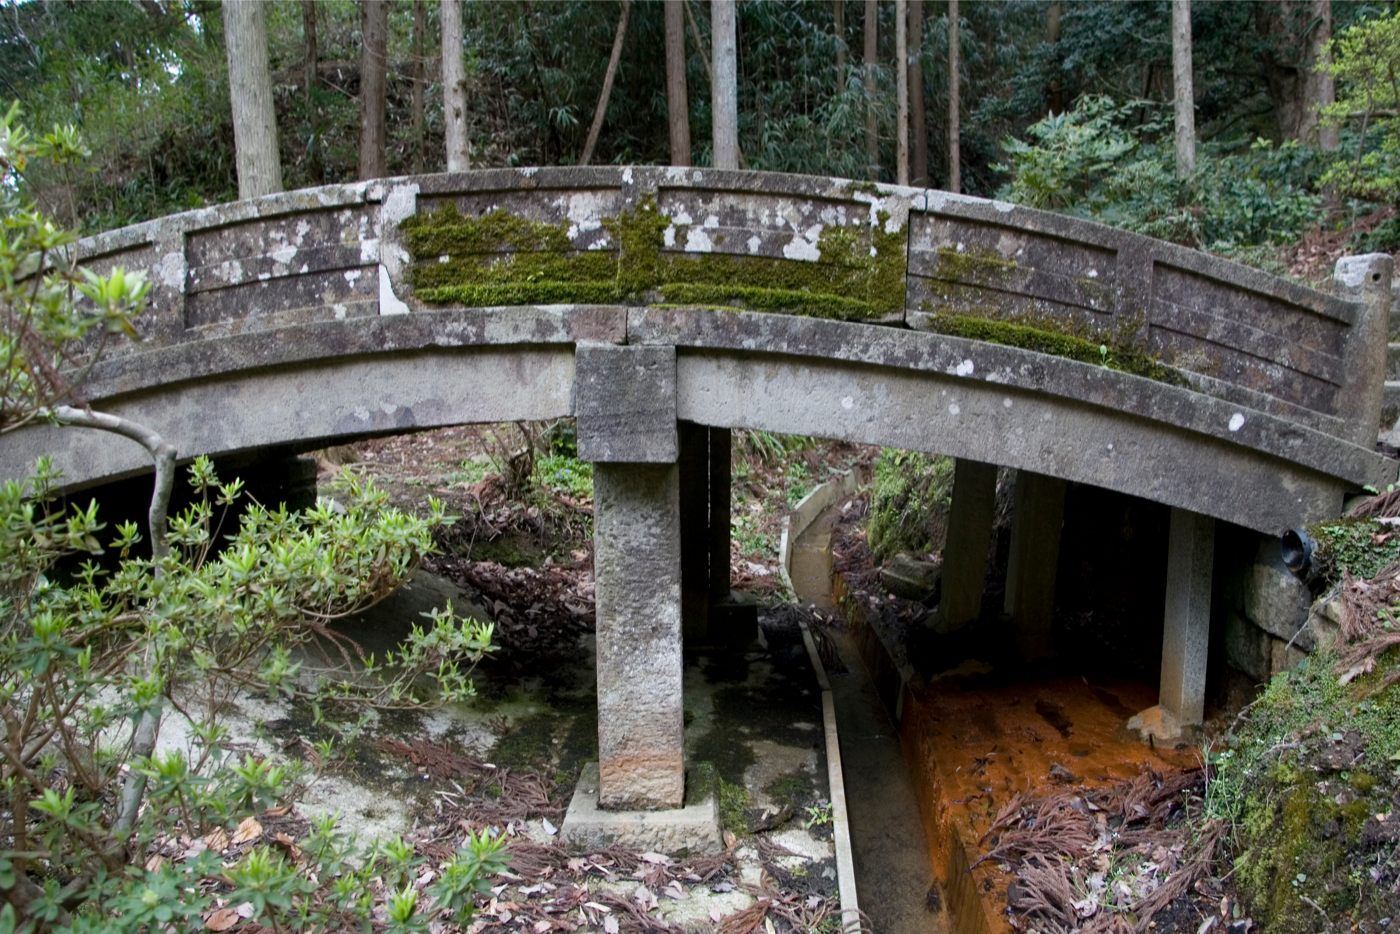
(911, 578)
(1275, 600)
(637, 571)
(694, 827)
(1247, 647)
(625, 402)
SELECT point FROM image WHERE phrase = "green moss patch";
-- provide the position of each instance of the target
(1361, 547)
(500, 259)
(1042, 337)
(1311, 785)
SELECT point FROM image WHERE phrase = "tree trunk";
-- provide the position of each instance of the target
(309, 59)
(838, 18)
(250, 94)
(954, 104)
(677, 94)
(901, 71)
(420, 77)
(1182, 91)
(725, 87)
(1319, 90)
(454, 87)
(1054, 92)
(601, 110)
(872, 119)
(918, 128)
(374, 23)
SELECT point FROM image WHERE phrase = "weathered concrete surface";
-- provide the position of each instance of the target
(626, 404)
(995, 404)
(637, 569)
(1278, 373)
(693, 827)
(1186, 629)
(969, 537)
(315, 404)
(1038, 512)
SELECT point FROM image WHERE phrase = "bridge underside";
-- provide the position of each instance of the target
(318, 383)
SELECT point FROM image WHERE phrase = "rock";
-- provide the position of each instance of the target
(912, 578)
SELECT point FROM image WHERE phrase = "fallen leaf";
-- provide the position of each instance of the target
(222, 919)
(248, 830)
(217, 839)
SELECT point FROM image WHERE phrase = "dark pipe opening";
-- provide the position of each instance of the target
(1297, 546)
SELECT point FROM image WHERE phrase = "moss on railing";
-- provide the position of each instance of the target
(499, 258)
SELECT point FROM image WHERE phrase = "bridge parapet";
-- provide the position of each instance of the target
(820, 247)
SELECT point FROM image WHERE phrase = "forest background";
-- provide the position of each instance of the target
(1062, 105)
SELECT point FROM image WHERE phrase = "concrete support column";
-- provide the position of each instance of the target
(1039, 512)
(637, 571)
(626, 407)
(1186, 630)
(695, 530)
(720, 467)
(969, 538)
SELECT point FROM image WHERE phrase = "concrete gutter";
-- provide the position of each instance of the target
(807, 510)
(795, 523)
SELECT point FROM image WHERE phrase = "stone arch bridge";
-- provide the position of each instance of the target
(663, 307)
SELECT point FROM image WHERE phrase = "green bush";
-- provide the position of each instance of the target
(1099, 161)
(95, 656)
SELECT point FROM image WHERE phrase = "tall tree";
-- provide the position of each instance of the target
(454, 87)
(309, 58)
(677, 94)
(250, 94)
(600, 111)
(1183, 92)
(724, 87)
(419, 74)
(954, 93)
(918, 126)
(901, 58)
(838, 22)
(1054, 91)
(872, 119)
(374, 27)
(1319, 88)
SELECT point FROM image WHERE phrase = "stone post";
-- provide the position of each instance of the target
(969, 537)
(695, 531)
(1186, 629)
(626, 408)
(1039, 512)
(720, 465)
(1365, 279)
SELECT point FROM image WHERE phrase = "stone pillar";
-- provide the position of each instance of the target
(1039, 512)
(695, 530)
(1186, 629)
(720, 466)
(637, 567)
(626, 407)
(969, 538)
(1366, 279)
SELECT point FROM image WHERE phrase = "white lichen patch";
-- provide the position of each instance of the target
(804, 245)
(698, 241)
(389, 303)
(965, 368)
(1236, 421)
(754, 243)
(954, 409)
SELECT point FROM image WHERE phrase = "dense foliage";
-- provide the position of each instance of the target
(1064, 102)
(107, 634)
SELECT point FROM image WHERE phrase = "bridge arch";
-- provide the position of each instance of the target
(639, 298)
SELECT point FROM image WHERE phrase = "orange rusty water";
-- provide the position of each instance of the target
(973, 744)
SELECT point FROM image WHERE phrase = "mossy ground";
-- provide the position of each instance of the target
(1311, 782)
